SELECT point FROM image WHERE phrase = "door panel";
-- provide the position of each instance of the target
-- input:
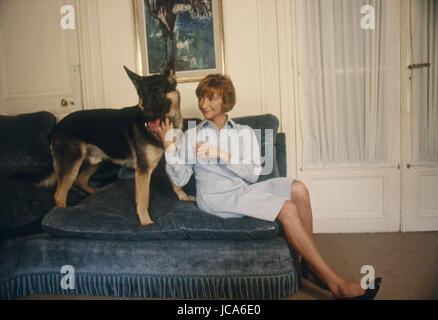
(38, 60)
(351, 200)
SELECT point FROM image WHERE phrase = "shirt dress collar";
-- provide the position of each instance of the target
(228, 124)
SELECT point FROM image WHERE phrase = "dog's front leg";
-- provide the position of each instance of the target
(142, 182)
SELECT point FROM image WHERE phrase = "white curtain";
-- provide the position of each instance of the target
(349, 83)
(424, 48)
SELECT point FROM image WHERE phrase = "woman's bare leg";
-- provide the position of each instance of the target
(300, 196)
(300, 239)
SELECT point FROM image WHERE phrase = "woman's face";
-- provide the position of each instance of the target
(211, 106)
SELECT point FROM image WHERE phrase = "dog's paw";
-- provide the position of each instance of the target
(86, 188)
(145, 222)
(145, 219)
(184, 196)
(60, 204)
(189, 198)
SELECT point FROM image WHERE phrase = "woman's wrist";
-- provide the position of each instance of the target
(224, 156)
(169, 146)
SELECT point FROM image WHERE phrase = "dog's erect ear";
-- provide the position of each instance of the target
(169, 71)
(135, 78)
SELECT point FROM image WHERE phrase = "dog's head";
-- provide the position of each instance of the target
(158, 96)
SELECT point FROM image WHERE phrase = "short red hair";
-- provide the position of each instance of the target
(220, 84)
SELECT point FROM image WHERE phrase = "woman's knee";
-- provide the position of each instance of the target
(288, 211)
(300, 194)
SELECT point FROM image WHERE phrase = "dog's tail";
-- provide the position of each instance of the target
(49, 181)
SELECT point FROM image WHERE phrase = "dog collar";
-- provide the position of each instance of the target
(152, 126)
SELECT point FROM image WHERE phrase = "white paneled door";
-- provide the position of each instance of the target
(421, 143)
(39, 68)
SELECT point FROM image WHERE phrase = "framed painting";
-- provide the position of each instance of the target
(190, 30)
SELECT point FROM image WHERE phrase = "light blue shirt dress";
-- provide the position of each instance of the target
(227, 190)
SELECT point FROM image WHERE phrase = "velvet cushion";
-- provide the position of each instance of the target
(110, 214)
(24, 143)
(22, 206)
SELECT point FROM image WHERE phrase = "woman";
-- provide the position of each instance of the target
(226, 181)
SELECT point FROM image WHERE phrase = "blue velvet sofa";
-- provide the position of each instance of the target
(186, 254)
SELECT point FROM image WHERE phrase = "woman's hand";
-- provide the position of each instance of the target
(206, 150)
(163, 130)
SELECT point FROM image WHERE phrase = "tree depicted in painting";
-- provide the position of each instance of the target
(166, 13)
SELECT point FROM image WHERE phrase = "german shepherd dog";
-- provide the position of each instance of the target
(128, 136)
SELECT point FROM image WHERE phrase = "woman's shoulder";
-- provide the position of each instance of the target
(242, 128)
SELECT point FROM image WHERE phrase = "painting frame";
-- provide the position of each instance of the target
(183, 74)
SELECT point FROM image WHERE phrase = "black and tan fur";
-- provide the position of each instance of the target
(83, 139)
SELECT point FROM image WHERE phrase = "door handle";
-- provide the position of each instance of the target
(419, 65)
(64, 103)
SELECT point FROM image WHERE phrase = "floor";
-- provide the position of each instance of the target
(407, 262)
